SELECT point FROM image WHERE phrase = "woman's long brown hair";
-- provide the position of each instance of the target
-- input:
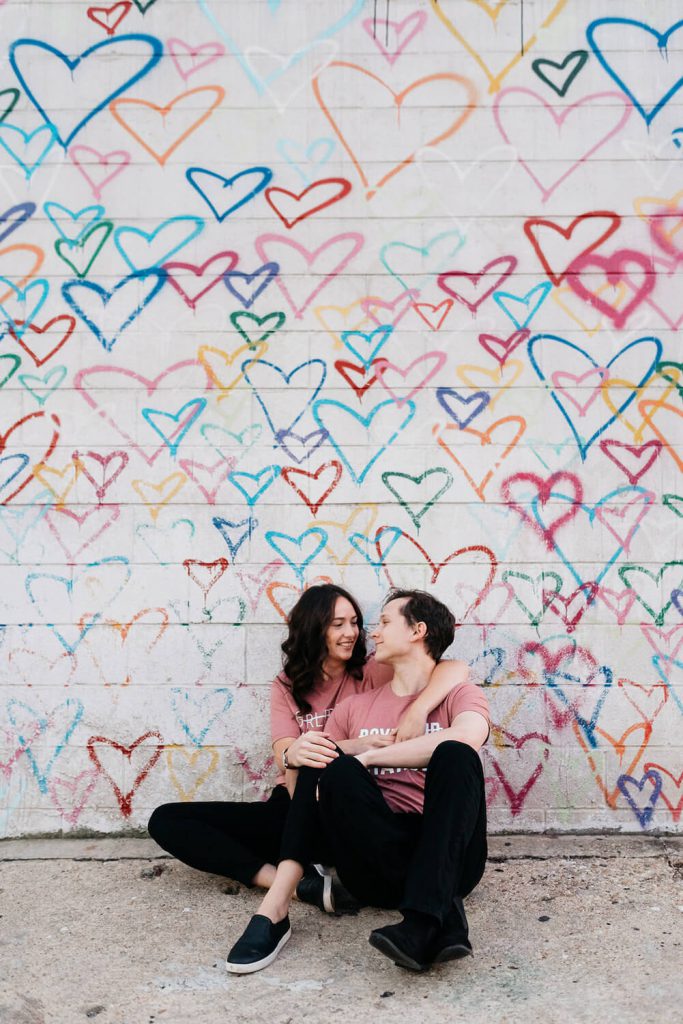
(305, 648)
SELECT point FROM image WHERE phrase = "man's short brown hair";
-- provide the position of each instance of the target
(419, 606)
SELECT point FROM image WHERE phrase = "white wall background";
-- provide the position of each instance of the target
(163, 501)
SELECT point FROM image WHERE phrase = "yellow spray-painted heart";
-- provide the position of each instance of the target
(155, 496)
(180, 760)
(58, 481)
(223, 368)
(495, 77)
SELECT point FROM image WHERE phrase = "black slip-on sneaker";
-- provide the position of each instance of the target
(323, 890)
(453, 948)
(315, 888)
(259, 945)
(397, 943)
(452, 942)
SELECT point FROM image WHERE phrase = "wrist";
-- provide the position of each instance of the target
(421, 707)
(288, 758)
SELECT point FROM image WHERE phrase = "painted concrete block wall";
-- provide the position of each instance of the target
(383, 293)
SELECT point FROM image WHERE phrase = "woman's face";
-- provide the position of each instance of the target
(343, 631)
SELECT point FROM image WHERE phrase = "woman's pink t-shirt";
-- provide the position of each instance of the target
(287, 719)
(378, 712)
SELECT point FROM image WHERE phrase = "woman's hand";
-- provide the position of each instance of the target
(411, 724)
(311, 750)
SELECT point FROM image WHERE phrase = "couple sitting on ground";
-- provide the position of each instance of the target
(381, 780)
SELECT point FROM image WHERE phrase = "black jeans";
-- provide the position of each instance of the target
(387, 859)
(231, 839)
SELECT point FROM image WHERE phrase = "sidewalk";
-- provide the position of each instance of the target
(568, 929)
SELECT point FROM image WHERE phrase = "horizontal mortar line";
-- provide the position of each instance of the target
(267, 107)
(124, 221)
(566, 846)
(342, 166)
(427, 215)
(377, 275)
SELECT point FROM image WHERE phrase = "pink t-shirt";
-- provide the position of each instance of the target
(287, 719)
(378, 712)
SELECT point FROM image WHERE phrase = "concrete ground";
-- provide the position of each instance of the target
(570, 929)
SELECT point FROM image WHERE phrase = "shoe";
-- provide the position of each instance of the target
(453, 942)
(259, 945)
(316, 888)
(323, 890)
(407, 948)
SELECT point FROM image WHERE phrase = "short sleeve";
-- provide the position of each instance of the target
(467, 697)
(337, 725)
(375, 674)
(283, 720)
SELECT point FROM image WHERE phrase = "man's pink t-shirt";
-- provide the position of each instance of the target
(287, 719)
(378, 712)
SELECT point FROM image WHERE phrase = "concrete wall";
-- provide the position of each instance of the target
(374, 292)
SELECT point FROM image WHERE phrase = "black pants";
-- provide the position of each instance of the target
(386, 859)
(231, 839)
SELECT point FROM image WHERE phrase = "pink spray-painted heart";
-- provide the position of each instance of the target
(542, 492)
(412, 379)
(190, 59)
(502, 348)
(322, 264)
(590, 130)
(633, 460)
(471, 289)
(392, 37)
(101, 471)
(98, 169)
(208, 274)
(617, 268)
(100, 385)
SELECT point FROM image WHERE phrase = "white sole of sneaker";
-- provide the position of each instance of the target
(328, 897)
(258, 965)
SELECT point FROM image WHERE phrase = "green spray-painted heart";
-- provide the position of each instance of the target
(540, 591)
(11, 361)
(639, 571)
(675, 503)
(8, 104)
(102, 230)
(416, 504)
(253, 337)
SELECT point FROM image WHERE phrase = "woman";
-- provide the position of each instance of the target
(325, 660)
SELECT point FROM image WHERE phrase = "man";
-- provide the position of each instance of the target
(404, 824)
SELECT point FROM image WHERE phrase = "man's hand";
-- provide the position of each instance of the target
(311, 750)
(364, 743)
(411, 723)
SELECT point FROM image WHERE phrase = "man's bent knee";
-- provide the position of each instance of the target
(454, 752)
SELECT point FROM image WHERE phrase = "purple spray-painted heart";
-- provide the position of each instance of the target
(627, 783)
(14, 218)
(302, 446)
(262, 278)
(473, 404)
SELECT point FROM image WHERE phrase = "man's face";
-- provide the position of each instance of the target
(393, 636)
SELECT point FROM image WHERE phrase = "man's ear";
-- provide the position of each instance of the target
(420, 630)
